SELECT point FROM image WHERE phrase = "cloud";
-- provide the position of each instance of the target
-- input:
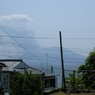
(16, 18)
(16, 21)
(17, 25)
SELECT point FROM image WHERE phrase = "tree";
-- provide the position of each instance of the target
(76, 83)
(88, 75)
(26, 84)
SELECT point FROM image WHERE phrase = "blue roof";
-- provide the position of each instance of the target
(21, 65)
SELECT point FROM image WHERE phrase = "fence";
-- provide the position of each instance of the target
(80, 80)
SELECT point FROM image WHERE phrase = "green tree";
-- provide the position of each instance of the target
(76, 83)
(88, 76)
(26, 84)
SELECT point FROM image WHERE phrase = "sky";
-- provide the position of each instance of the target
(74, 18)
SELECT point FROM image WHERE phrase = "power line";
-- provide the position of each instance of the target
(72, 62)
(80, 38)
(20, 44)
(31, 38)
(27, 37)
(67, 51)
(46, 37)
(66, 58)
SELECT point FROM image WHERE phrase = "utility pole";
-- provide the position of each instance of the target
(73, 80)
(62, 63)
(47, 63)
(41, 67)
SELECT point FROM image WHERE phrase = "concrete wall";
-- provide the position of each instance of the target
(0, 75)
(5, 81)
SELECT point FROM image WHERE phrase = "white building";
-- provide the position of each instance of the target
(18, 65)
(8, 66)
(4, 79)
(11, 65)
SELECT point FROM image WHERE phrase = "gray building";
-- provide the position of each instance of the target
(50, 81)
(8, 66)
(4, 79)
(19, 66)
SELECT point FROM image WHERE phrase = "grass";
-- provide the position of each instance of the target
(61, 93)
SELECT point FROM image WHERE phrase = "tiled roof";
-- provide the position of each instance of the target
(18, 65)
(2, 65)
(22, 65)
(10, 64)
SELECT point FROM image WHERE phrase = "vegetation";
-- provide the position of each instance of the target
(27, 84)
(85, 78)
(88, 77)
(76, 83)
(62, 93)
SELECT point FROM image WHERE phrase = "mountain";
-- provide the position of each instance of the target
(30, 51)
(44, 58)
(47, 57)
(17, 41)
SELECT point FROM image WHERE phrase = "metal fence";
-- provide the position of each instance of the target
(80, 80)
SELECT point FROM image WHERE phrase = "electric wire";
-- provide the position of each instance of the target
(12, 37)
(20, 44)
(47, 37)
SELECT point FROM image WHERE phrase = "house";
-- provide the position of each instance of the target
(50, 81)
(1, 66)
(19, 66)
(4, 79)
(7, 66)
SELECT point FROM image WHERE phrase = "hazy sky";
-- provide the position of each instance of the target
(75, 18)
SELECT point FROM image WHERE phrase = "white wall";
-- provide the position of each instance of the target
(0, 75)
(5, 81)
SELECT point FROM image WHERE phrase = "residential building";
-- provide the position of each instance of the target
(4, 79)
(50, 81)
(7, 66)
(11, 65)
(18, 65)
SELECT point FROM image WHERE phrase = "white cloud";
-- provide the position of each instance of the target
(16, 21)
(16, 17)
(17, 25)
